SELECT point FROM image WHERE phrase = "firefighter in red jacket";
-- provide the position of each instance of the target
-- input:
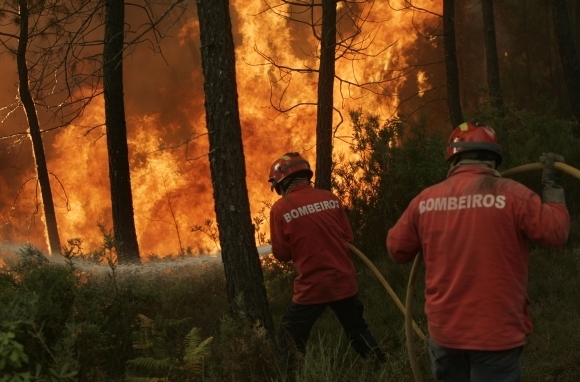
(473, 230)
(309, 227)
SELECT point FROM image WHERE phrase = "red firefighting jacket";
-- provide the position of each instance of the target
(473, 230)
(309, 227)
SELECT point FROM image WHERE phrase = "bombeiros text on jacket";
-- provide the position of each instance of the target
(310, 208)
(452, 203)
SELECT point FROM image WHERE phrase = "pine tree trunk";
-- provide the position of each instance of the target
(325, 109)
(35, 135)
(493, 81)
(568, 54)
(242, 266)
(453, 94)
(118, 151)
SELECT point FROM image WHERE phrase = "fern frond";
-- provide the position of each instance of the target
(141, 346)
(151, 365)
(195, 351)
(165, 323)
(145, 322)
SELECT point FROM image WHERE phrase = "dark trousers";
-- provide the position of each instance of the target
(298, 320)
(455, 365)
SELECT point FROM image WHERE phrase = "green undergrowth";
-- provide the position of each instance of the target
(168, 322)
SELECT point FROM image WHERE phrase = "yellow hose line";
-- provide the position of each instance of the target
(409, 317)
(410, 288)
(538, 166)
(385, 284)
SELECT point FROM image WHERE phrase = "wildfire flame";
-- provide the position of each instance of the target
(167, 138)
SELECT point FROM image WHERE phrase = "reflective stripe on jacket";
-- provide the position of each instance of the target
(473, 230)
(309, 227)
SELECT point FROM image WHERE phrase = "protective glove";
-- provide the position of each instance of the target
(552, 179)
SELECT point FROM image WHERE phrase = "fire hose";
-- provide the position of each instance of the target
(410, 324)
(390, 290)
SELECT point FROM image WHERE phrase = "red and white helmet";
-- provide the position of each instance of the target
(288, 164)
(470, 136)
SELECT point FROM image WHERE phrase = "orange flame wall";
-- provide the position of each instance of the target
(164, 102)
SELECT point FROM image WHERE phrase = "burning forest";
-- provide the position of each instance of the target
(390, 62)
(276, 53)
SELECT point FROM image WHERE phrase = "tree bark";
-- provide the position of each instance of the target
(568, 54)
(35, 135)
(118, 151)
(325, 109)
(242, 266)
(453, 94)
(493, 81)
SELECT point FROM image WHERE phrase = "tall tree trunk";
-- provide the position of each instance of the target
(453, 94)
(242, 266)
(493, 81)
(527, 41)
(118, 151)
(568, 54)
(325, 109)
(35, 136)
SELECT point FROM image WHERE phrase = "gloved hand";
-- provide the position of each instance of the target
(552, 179)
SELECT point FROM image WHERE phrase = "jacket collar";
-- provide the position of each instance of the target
(297, 187)
(476, 169)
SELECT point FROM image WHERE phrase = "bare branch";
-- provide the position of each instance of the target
(68, 208)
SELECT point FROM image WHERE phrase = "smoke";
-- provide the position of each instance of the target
(11, 247)
(9, 251)
(194, 265)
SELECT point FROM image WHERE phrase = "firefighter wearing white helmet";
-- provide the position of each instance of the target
(473, 229)
(309, 227)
